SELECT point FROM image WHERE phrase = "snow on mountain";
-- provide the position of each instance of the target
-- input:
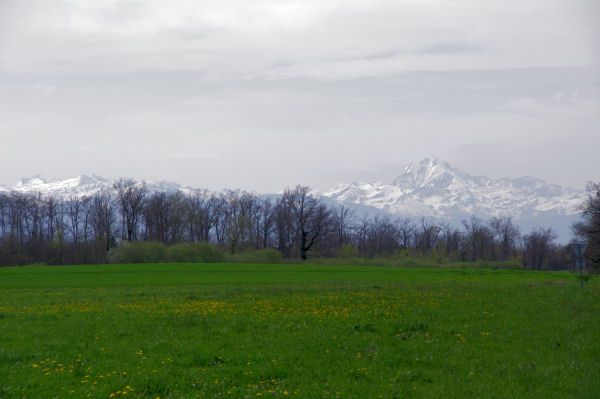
(432, 188)
(429, 188)
(81, 186)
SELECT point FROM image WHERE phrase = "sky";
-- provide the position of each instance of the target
(265, 94)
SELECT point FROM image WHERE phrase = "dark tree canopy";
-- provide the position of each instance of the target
(588, 229)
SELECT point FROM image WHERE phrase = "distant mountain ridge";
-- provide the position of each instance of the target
(428, 188)
(81, 186)
(432, 188)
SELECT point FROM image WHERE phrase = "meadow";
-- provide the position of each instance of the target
(282, 331)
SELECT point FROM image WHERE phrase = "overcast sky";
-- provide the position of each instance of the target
(265, 94)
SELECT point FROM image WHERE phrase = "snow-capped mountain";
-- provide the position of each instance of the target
(432, 188)
(81, 186)
(429, 188)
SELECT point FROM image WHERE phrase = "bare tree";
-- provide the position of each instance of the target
(588, 229)
(285, 231)
(427, 235)
(19, 211)
(220, 220)
(479, 239)
(178, 215)
(53, 214)
(265, 223)
(405, 230)
(102, 219)
(4, 200)
(130, 196)
(238, 217)
(380, 235)
(342, 220)
(34, 222)
(362, 235)
(536, 247)
(74, 212)
(508, 234)
(310, 217)
(453, 239)
(156, 214)
(201, 216)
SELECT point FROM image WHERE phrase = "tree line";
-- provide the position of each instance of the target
(43, 229)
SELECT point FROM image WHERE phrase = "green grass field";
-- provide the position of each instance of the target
(283, 331)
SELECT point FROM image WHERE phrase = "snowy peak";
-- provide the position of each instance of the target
(432, 176)
(427, 171)
(431, 173)
(433, 188)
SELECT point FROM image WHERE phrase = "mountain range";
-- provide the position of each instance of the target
(429, 188)
(432, 188)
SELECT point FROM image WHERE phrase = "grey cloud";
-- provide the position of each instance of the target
(296, 92)
(42, 88)
(450, 48)
(380, 55)
(306, 39)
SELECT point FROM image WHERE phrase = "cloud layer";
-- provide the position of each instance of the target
(266, 93)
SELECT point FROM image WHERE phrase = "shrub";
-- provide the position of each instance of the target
(207, 252)
(137, 252)
(155, 252)
(118, 253)
(181, 253)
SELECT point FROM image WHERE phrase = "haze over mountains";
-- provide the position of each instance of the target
(429, 188)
